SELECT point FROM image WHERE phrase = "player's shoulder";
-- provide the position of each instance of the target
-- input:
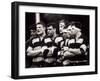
(35, 39)
(47, 39)
(58, 39)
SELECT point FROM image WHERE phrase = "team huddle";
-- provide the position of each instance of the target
(46, 48)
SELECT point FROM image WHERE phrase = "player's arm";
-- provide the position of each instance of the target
(31, 52)
(80, 50)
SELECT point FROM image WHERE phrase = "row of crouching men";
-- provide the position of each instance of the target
(46, 48)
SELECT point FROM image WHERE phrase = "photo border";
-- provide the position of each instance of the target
(15, 39)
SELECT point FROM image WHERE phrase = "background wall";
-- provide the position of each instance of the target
(5, 40)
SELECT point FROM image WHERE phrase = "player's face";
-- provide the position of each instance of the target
(61, 26)
(67, 34)
(32, 32)
(73, 29)
(50, 31)
(40, 29)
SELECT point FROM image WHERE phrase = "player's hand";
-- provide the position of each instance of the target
(65, 48)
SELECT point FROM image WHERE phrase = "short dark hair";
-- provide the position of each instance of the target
(51, 24)
(77, 24)
(42, 23)
(62, 20)
(65, 21)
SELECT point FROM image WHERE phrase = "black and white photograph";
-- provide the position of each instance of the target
(51, 40)
(56, 40)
